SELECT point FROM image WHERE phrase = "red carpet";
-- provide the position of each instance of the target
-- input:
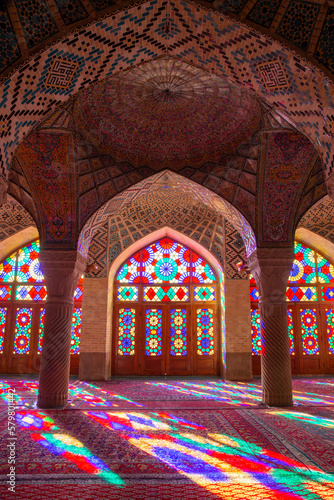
(170, 439)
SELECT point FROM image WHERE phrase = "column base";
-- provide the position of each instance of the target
(279, 399)
(52, 402)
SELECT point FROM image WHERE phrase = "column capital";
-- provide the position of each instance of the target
(271, 268)
(62, 270)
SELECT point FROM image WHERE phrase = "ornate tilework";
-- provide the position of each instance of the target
(61, 74)
(71, 10)
(36, 20)
(234, 6)
(102, 4)
(298, 22)
(10, 51)
(264, 12)
(235, 252)
(273, 75)
(324, 51)
(98, 253)
(13, 218)
(319, 219)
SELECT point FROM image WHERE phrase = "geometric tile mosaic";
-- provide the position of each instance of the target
(298, 22)
(264, 12)
(324, 51)
(13, 218)
(10, 51)
(235, 252)
(36, 20)
(320, 219)
(308, 102)
(71, 11)
(273, 75)
(61, 74)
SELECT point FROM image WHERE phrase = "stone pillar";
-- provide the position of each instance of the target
(271, 268)
(238, 332)
(62, 270)
(3, 191)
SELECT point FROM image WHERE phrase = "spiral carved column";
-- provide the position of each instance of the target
(62, 270)
(271, 268)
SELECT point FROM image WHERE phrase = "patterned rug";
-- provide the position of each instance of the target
(214, 441)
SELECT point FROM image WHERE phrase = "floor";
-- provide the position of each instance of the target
(167, 438)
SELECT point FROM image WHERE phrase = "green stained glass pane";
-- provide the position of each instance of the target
(3, 316)
(204, 293)
(126, 332)
(153, 332)
(127, 293)
(178, 332)
(7, 269)
(204, 325)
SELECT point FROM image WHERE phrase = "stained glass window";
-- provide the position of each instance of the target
(303, 268)
(7, 269)
(178, 332)
(165, 294)
(301, 293)
(127, 293)
(130, 271)
(28, 266)
(327, 293)
(204, 324)
(202, 272)
(76, 330)
(41, 330)
(22, 280)
(256, 332)
(126, 332)
(204, 293)
(31, 292)
(3, 315)
(5, 292)
(168, 262)
(290, 332)
(308, 318)
(330, 330)
(22, 331)
(325, 270)
(254, 294)
(153, 332)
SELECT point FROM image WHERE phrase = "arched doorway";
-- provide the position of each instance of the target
(166, 314)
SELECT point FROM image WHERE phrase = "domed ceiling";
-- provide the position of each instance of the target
(166, 113)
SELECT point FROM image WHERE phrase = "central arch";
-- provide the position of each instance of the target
(166, 298)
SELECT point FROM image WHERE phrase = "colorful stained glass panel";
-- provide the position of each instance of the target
(308, 318)
(327, 293)
(166, 261)
(3, 316)
(178, 332)
(204, 293)
(126, 332)
(7, 269)
(204, 327)
(78, 292)
(127, 293)
(31, 292)
(301, 293)
(290, 332)
(166, 294)
(130, 271)
(303, 268)
(252, 279)
(325, 270)
(76, 330)
(5, 292)
(254, 294)
(256, 332)
(153, 332)
(202, 272)
(22, 331)
(330, 330)
(28, 265)
(41, 330)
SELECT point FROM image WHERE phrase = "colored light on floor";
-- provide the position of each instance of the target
(305, 418)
